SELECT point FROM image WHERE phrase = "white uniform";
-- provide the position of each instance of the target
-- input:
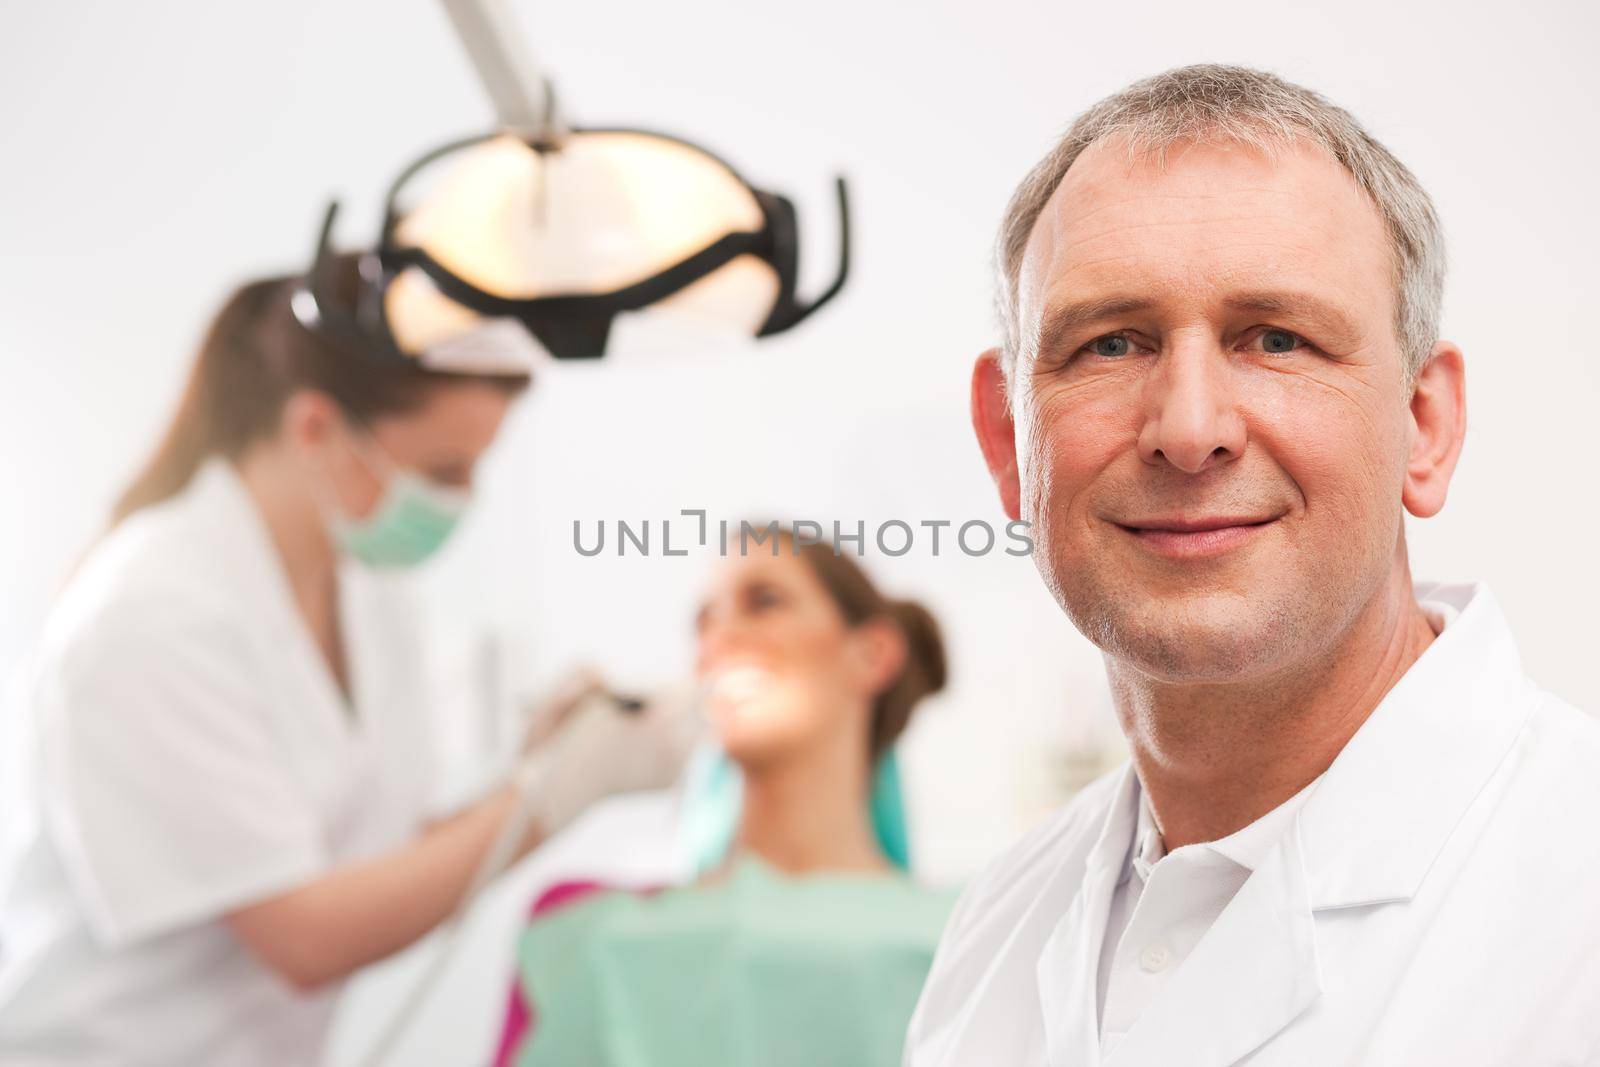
(182, 751)
(1433, 899)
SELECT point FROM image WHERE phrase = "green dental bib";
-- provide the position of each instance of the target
(758, 969)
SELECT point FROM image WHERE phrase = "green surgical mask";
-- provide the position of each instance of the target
(413, 518)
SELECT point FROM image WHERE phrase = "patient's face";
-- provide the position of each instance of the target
(774, 650)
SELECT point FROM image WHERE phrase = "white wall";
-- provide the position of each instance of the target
(156, 153)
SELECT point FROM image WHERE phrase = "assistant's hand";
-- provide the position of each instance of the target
(598, 744)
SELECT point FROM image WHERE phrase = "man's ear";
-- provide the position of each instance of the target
(1438, 425)
(997, 434)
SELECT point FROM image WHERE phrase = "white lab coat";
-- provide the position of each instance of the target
(1435, 901)
(182, 751)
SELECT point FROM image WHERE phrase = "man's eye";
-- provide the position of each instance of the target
(1278, 342)
(1111, 346)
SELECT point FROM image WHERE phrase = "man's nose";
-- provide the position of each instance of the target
(1192, 416)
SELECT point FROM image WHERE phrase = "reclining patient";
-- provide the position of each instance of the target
(802, 940)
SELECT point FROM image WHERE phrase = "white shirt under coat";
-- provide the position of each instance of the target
(1433, 898)
(183, 751)
(1165, 902)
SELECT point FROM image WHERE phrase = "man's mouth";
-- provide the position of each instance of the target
(1195, 537)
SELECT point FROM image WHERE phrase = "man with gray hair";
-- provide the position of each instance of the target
(1352, 831)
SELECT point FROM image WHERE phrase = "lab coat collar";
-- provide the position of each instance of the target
(1390, 799)
(1066, 969)
(249, 561)
(238, 534)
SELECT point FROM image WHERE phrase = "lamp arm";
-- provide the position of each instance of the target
(522, 98)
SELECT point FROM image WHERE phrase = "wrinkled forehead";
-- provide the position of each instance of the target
(1184, 229)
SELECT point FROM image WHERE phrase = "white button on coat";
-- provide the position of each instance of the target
(1155, 958)
(1436, 900)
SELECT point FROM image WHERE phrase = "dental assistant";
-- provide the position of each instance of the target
(215, 813)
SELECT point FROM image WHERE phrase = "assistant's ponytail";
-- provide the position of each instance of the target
(225, 403)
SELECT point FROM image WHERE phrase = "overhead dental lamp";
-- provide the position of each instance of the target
(528, 242)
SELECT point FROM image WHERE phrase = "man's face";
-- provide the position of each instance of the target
(1211, 428)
